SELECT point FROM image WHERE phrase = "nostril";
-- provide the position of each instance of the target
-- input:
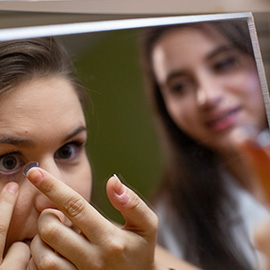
(28, 166)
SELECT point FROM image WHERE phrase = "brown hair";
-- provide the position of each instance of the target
(22, 60)
(192, 186)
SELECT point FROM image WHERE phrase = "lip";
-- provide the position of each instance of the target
(223, 119)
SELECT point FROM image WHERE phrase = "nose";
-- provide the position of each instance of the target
(42, 202)
(209, 91)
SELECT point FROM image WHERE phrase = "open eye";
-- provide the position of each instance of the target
(225, 64)
(69, 151)
(10, 163)
(180, 86)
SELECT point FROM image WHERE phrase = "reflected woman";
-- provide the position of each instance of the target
(203, 83)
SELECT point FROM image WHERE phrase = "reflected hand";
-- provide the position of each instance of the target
(18, 255)
(101, 244)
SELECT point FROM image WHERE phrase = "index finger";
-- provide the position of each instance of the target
(71, 203)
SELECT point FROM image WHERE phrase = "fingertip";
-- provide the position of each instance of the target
(35, 175)
(12, 187)
(28, 166)
(117, 191)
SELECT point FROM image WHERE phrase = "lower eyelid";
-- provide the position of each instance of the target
(13, 174)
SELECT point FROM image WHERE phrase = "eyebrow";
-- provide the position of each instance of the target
(175, 74)
(211, 55)
(21, 142)
(218, 50)
(75, 132)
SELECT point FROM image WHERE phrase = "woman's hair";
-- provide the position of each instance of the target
(24, 60)
(192, 184)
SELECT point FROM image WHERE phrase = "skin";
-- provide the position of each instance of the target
(21, 112)
(201, 82)
(202, 78)
(54, 203)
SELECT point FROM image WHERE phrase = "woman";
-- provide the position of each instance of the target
(53, 226)
(203, 82)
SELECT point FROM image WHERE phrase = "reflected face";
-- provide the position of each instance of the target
(209, 87)
(41, 120)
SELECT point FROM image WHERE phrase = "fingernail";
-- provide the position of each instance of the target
(118, 187)
(12, 187)
(120, 191)
(28, 166)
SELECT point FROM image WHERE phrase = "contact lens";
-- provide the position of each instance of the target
(28, 166)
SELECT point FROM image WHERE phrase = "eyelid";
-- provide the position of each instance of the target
(78, 145)
(12, 172)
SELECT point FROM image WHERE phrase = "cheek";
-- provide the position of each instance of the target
(248, 90)
(245, 84)
(83, 181)
(183, 112)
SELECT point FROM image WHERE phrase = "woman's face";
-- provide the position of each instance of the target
(209, 87)
(41, 120)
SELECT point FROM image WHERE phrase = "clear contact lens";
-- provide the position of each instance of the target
(28, 166)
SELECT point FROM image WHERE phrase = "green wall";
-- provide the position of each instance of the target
(122, 137)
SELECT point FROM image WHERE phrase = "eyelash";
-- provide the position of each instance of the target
(12, 174)
(78, 144)
(225, 64)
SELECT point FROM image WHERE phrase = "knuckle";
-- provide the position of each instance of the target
(49, 231)
(75, 207)
(115, 246)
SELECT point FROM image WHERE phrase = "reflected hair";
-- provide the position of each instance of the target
(192, 185)
(28, 59)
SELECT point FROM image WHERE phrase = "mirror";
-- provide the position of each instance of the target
(122, 134)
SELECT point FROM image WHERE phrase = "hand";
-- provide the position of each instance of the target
(18, 255)
(101, 244)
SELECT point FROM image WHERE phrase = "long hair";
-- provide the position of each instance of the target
(192, 185)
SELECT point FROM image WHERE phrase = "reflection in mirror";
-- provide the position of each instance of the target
(202, 81)
(205, 87)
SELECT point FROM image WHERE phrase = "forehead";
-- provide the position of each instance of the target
(179, 47)
(41, 104)
(191, 34)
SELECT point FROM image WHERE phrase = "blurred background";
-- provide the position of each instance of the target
(122, 136)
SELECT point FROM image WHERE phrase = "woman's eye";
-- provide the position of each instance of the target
(226, 64)
(10, 163)
(180, 88)
(68, 151)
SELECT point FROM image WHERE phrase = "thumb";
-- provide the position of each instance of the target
(138, 216)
